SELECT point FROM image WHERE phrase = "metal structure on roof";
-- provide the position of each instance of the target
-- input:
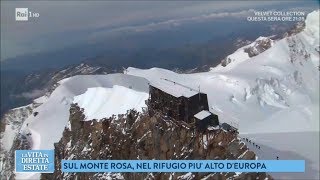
(174, 88)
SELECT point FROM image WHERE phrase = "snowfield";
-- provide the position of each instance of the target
(273, 98)
(99, 103)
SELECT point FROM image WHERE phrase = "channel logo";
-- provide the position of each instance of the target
(22, 14)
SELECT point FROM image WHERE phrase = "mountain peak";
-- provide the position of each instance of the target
(312, 23)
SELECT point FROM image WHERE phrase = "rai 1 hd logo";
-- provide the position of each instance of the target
(24, 14)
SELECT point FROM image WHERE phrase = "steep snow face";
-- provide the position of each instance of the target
(13, 121)
(41, 100)
(101, 102)
(269, 97)
(312, 27)
(246, 52)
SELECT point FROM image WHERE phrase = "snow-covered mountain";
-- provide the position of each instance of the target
(269, 90)
(50, 82)
(271, 97)
(253, 49)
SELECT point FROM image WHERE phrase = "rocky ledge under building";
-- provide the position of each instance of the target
(137, 136)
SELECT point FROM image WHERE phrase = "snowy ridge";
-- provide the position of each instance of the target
(80, 69)
(244, 53)
(41, 100)
(54, 113)
(46, 128)
(99, 103)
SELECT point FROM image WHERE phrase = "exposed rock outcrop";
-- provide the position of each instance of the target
(138, 136)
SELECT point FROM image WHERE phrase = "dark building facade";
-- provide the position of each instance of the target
(179, 103)
(204, 118)
(228, 127)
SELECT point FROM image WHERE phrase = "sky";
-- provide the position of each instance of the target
(67, 23)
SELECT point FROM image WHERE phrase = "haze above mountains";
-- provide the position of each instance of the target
(195, 35)
(182, 41)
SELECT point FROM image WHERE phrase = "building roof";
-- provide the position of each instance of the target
(202, 114)
(174, 88)
(227, 127)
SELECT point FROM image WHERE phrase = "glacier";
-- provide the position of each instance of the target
(272, 98)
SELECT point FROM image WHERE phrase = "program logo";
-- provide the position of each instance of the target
(37, 161)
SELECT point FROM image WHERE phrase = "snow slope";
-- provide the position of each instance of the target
(241, 54)
(270, 97)
(46, 128)
(101, 102)
(13, 120)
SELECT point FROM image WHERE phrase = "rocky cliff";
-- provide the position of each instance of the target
(138, 136)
